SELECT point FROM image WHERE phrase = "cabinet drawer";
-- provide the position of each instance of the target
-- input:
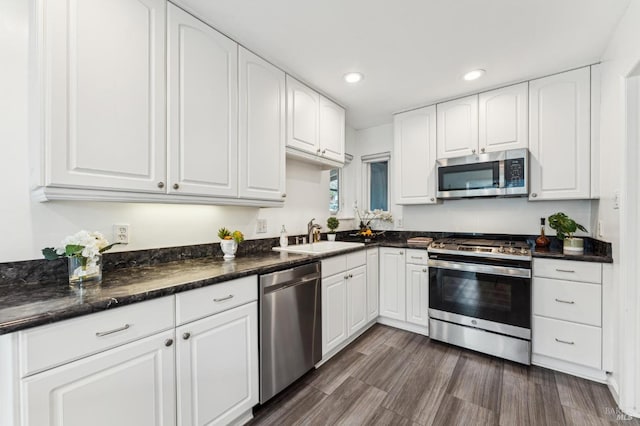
(356, 259)
(418, 257)
(202, 302)
(568, 270)
(334, 265)
(576, 343)
(50, 345)
(568, 300)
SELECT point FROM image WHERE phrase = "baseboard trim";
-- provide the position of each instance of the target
(569, 368)
(346, 343)
(402, 325)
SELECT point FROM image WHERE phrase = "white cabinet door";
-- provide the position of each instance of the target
(356, 299)
(217, 367)
(262, 128)
(130, 385)
(417, 294)
(559, 139)
(458, 127)
(203, 114)
(332, 129)
(504, 118)
(372, 283)
(303, 117)
(334, 312)
(103, 94)
(415, 156)
(392, 286)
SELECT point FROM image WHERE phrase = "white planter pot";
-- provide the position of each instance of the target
(331, 237)
(573, 246)
(229, 248)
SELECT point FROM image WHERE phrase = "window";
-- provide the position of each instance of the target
(334, 191)
(376, 178)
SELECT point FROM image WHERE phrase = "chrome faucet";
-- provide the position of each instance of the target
(310, 228)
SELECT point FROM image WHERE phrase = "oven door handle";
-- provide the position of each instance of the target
(483, 269)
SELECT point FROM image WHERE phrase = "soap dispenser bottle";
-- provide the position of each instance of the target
(284, 237)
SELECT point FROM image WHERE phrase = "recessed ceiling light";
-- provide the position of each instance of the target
(473, 75)
(353, 77)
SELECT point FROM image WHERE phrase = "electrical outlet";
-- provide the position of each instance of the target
(261, 226)
(616, 199)
(121, 233)
(600, 230)
(399, 222)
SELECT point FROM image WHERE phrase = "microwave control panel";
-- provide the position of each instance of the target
(514, 172)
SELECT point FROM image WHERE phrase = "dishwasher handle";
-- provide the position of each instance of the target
(281, 286)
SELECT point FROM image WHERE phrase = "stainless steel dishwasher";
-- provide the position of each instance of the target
(290, 326)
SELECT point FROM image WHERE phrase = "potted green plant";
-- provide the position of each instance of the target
(332, 224)
(565, 228)
(229, 242)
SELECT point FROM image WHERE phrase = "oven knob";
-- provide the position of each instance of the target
(512, 250)
(501, 249)
(441, 245)
(523, 250)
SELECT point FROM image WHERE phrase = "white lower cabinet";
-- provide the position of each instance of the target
(217, 367)
(133, 384)
(404, 289)
(567, 321)
(345, 295)
(373, 273)
(417, 281)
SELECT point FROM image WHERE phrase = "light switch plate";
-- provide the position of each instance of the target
(261, 226)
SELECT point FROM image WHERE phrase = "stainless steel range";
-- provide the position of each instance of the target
(480, 295)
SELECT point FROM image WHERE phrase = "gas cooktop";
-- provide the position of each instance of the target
(501, 249)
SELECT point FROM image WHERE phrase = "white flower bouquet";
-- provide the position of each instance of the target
(84, 251)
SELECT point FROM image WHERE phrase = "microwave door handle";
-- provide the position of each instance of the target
(483, 269)
(501, 179)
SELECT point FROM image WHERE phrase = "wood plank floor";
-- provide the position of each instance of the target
(393, 377)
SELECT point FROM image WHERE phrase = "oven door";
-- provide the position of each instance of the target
(497, 293)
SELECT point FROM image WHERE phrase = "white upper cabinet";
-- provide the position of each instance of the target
(415, 156)
(315, 126)
(332, 129)
(559, 136)
(100, 94)
(262, 129)
(303, 113)
(504, 119)
(203, 101)
(458, 127)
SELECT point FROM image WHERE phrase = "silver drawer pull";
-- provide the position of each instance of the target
(565, 270)
(115, 330)
(564, 341)
(224, 298)
(416, 257)
(569, 302)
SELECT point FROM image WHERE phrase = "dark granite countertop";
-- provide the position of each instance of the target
(28, 305)
(130, 277)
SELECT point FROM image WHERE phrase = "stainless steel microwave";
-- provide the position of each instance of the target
(494, 174)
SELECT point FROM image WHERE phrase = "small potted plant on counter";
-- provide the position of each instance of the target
(332, 224)
(229, 242)
(565, 228)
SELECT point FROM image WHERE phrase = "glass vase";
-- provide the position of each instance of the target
(84, 271)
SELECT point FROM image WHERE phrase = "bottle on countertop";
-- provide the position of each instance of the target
(542, 242)
(284, 237)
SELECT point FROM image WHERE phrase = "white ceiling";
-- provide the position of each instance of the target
(414, 52)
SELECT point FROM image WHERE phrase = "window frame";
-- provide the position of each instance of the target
(339, 189)
(367, 160)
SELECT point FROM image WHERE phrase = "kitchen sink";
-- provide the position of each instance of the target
(321, 247)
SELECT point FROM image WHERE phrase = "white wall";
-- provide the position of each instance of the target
(26, 226)
(620, 58)
(486, 215)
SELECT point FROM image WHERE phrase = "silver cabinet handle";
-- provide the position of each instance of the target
(346, 277)
(424, 269)
(482, 150)
(223, 298)
(185, 336)
(115, 330)
(160, 185)
(565, 270)
(323, 151)
(433, 199)
(564, 341)
(318, 151)
(168, 342)
(416, 257)
(350, 275)
(568, 302)
(473, 151)
(284, 195)
(401, 252)
(176, 186)
(534, 195)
